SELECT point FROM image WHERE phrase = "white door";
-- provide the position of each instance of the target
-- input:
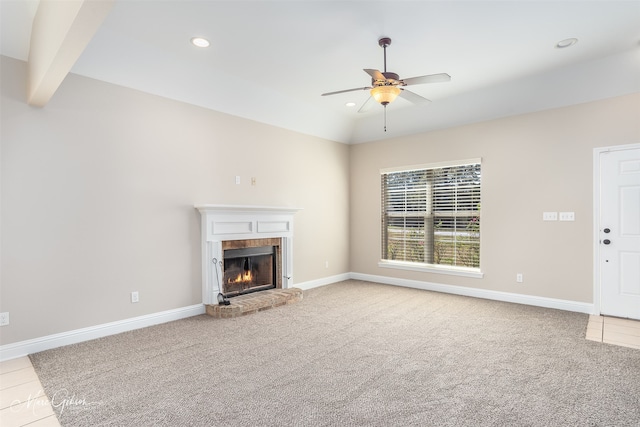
(619, 232)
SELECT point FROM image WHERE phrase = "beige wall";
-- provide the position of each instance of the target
(530, 164)
(98, 194)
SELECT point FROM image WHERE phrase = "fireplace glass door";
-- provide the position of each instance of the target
(249, 270)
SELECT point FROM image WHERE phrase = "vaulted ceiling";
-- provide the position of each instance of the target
(270, 61)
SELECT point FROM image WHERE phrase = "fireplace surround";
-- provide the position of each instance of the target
(232, 235)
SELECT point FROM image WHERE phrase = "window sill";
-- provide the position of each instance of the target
(428, 268)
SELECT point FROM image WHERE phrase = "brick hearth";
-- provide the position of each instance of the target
(254, 302)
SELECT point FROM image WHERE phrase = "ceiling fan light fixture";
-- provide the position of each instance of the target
(385, 94)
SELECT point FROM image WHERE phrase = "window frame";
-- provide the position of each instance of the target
(474, 272)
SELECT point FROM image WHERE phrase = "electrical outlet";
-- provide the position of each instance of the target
(549, 216)
(253, 180)
(237, 179)
(4, 319)
(135, 297)
(519, 278)
(326, 264)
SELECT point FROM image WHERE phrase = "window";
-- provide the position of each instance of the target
(431, 215)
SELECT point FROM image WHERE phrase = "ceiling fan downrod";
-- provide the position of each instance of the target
(383, 43)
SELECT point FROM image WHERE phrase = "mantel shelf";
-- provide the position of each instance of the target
(246, 208)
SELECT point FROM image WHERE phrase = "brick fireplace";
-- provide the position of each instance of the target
(251, 265)
(245, 249)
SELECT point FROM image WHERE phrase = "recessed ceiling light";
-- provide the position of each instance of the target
(566, 43)
(200, 42)
(350, 104)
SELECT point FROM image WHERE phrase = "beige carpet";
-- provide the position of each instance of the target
(351, 354)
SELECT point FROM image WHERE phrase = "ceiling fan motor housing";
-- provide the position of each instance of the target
(391, 80)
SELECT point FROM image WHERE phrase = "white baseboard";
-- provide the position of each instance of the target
(324, 281)
(580, 307)
(24, 348)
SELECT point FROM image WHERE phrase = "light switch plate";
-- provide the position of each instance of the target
(567, 216)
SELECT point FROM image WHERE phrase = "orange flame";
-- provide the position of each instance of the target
(245, 277)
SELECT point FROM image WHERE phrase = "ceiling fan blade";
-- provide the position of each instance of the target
(413, 97)
(431, 78)
(367, 105)
(375, 74)
(346, 90)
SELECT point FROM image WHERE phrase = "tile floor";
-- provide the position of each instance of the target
(612, 330)
(22, 399)
(23, 402)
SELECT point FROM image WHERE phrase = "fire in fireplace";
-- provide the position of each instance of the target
(249, 269)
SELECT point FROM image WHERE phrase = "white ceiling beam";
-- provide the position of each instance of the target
(61, 30)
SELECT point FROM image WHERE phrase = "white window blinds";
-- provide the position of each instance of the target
(431, 215)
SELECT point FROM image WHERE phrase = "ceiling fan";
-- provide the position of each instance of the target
(387, 86)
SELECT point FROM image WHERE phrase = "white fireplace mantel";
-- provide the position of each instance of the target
(228, 222)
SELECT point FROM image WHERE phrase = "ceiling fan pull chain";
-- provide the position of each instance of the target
(385, 118)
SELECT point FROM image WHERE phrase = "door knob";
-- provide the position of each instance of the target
(606, 241)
